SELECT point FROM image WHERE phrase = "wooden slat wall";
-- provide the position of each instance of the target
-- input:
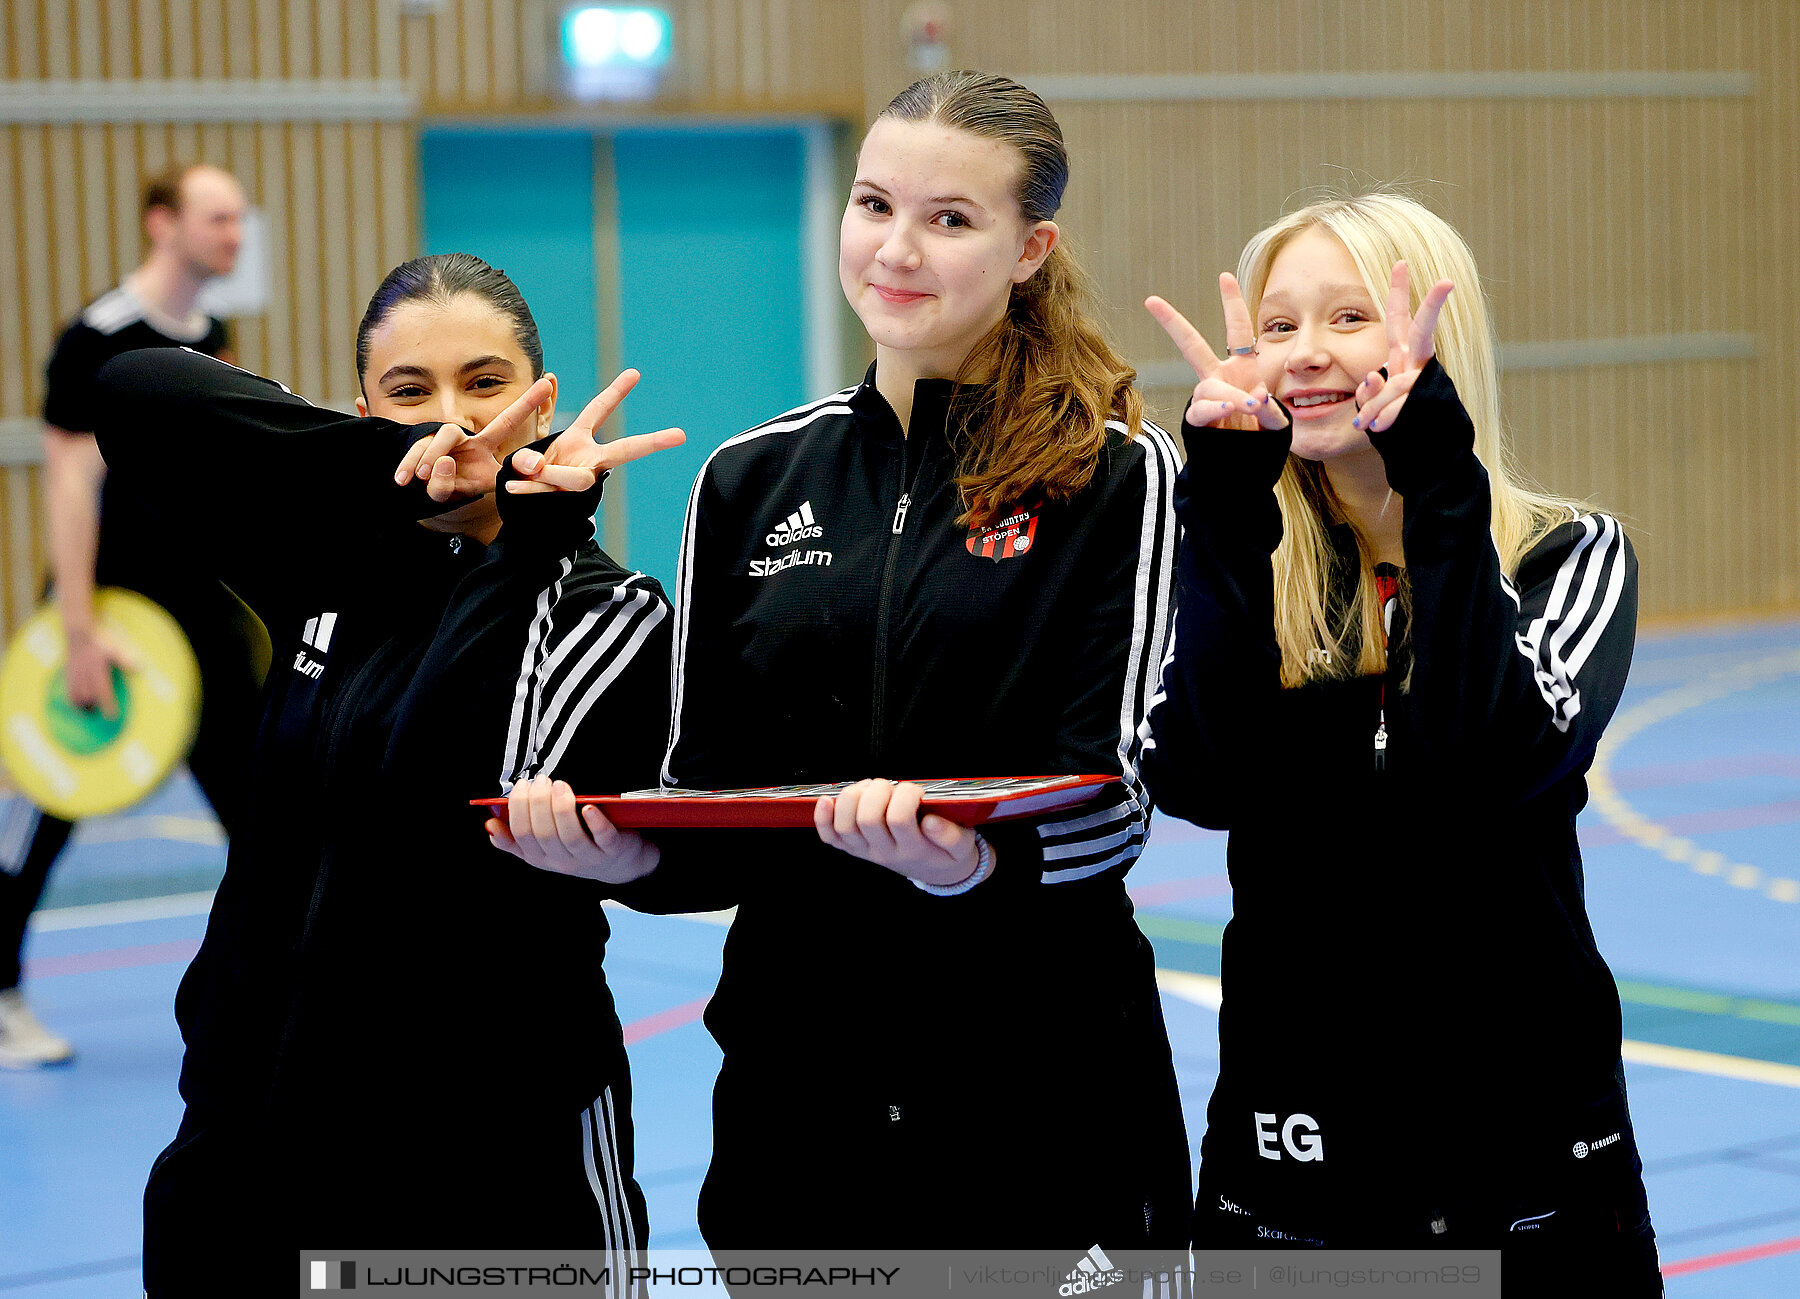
(339, 196)
(731, 56)
(1590, 218)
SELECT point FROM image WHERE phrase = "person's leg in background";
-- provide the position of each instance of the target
(30, 841)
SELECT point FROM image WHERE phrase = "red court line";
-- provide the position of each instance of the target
(1729, 818)
(113, 958)
(1196, 886)
(127, 958)
(664, 1020)
(1750, 1253)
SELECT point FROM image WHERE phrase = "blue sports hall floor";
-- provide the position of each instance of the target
(1693, 861)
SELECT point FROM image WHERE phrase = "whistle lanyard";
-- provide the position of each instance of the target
(1387, 585)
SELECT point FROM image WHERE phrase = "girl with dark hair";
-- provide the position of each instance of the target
(960, 565)
(397, 1036)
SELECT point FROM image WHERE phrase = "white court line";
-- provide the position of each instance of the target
(123, 913)
(701, 917)
(1200, 989)
(1204, 990)
(93, 914)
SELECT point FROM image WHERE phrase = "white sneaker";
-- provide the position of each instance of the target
(25, 1043)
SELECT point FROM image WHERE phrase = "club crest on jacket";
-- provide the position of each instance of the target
(1011, 537)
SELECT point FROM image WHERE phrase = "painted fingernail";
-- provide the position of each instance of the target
(1357, 422)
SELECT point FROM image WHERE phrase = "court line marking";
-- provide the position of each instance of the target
(1640, 829)
(1633, 991)
(175, 905)
(178, 952)
(1761, 1009)
(202, 830)
(126, 912)
(1687, 1060)
(1705, 1262)
(71, 1272)
(1207, 990)
(665, 1020)
(1712, 820)
(1200, 989)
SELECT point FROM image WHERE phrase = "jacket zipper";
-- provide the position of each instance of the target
(878, 696)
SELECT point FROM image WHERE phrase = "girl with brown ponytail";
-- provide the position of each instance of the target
(959, 566)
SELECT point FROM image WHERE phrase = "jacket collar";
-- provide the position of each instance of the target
(931, 406)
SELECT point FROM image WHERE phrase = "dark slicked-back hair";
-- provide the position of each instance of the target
(439, 278)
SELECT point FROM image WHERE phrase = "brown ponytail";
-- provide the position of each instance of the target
(1049, 377)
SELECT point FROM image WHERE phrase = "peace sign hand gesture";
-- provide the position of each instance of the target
(458, 465)
(1230, 393)
(1410, 346)
(575, 461)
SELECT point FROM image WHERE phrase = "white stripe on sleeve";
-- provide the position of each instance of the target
(1090, 834)
(1583, 597)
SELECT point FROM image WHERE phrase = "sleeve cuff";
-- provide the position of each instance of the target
(1431, 440)
(556, 522)
(1225, 461)
(984, 867)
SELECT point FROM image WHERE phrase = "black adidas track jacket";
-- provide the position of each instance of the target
(1417, 1024)
(836, 622)
(396, 1034)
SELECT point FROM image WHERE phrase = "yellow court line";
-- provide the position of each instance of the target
(1201, 989)
(1646, 833)
(1206, 990)
(1708, 1062)
(127, 829)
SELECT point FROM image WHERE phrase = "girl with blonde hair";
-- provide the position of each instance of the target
(1393, 662)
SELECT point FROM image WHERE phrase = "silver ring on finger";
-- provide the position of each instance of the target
(1242, 351)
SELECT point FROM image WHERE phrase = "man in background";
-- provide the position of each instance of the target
(193, 220)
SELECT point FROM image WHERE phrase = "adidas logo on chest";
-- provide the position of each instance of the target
(798, 526)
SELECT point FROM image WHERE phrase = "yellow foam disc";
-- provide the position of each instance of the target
(75, 763)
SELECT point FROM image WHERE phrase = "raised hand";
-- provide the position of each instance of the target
(1230, 393)
(879, 822)
(576, 460)
(1410, 346)
(459, 465)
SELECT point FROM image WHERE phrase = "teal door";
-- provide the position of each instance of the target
(706, 239)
